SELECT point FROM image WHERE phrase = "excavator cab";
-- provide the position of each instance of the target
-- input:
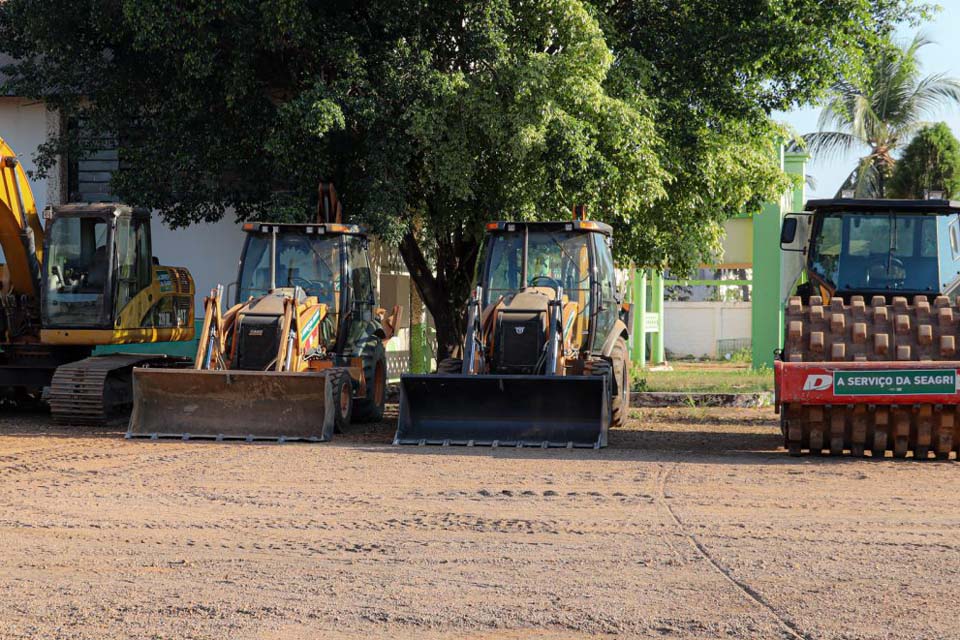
(99, 276)
(80, 287)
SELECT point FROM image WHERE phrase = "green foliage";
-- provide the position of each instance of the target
(879, 110)
(435, 117)
(705, 378)
(931, 162)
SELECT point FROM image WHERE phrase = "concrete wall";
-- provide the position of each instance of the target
(693, 328)
(210, 251)
(26, 124)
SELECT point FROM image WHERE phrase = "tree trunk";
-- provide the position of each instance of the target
(445, 288)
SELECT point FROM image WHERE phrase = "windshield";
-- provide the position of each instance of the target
(77, 268)
(306, 261)
(857, 252)
(553, 258)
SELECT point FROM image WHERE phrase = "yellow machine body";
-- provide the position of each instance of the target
(545, 360)
(80, 278)
(285, 362)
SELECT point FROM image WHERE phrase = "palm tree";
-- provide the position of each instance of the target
(879, 111)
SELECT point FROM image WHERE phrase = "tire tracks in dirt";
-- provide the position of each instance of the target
(789, 628)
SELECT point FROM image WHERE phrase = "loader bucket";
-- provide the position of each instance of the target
(248, 405)
(504, 410)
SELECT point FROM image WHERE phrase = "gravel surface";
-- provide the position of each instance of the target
(692, 524)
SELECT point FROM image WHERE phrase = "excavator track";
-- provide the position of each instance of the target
(97, 389)
(900, 334)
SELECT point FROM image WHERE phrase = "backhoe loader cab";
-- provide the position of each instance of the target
(545, 359)
(534, 264)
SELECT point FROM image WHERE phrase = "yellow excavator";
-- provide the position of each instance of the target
(84, 277)
(300, 353)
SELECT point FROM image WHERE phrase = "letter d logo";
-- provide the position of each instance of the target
(817, 382)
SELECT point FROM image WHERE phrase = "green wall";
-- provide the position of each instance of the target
(767, 295)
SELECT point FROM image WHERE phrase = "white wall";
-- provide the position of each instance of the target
(693, 328)
(24, 125)
(210, 251)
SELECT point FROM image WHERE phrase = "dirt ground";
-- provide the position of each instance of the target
(692, 524)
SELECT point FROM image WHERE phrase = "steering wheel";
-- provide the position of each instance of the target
(552, 282)
(886, 279)
(322, 288)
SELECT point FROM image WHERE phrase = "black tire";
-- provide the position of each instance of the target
(342, 394)
(450, 366)
(603, 369)
(805, 290)
(620, 405)
(370, 407)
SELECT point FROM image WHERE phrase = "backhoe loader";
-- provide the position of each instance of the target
(299, 355)
(83, 278)
(545, 356)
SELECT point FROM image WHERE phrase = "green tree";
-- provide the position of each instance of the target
(435, 117)
(880, 109)
(931, 162)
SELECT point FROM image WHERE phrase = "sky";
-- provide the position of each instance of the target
(941, 56)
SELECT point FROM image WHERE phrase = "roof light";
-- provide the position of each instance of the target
(264, 228)
(568, 227)
(249, 226)
(493, 226)
(587, 224)
(511, 227)
(935, 195)
(338, 228)
(847, 193)
(310, 229)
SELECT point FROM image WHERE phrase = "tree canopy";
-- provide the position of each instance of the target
(880, 109)
(931, 162)
(435, 117)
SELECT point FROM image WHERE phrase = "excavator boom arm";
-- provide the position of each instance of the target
(21, 234)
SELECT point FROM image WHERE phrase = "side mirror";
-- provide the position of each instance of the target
(156, 261)
(788, 232)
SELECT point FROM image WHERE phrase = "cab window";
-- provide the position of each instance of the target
(77, 273)
(606, 274)
(359, 325)
(134, 272)
(311, 262)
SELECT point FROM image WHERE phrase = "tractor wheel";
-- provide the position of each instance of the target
(370, 407)
(603, 369)
(450, 366)
(620, 406)
(342, 398)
